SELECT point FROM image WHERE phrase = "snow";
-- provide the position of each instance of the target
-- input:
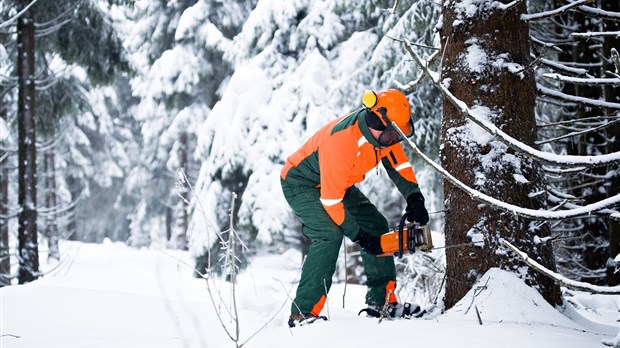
(476, 57)
(111, 295)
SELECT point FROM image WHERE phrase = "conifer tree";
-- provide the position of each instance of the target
(486, 55)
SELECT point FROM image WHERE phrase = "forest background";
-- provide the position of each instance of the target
(163, 124)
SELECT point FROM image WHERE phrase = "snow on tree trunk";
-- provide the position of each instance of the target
(28, 250)
(612, 94)
(486, 55)
(51, 221)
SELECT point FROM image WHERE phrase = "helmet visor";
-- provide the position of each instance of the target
(390, 136)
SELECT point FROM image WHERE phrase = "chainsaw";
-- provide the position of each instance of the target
(407, 237)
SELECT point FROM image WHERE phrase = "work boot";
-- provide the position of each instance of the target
(392, 310)
(299, 319)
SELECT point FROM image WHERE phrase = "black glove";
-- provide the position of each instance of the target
(369, 243)
(415, 210)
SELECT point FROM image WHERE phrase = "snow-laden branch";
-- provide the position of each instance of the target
(583, 81)
(505, 7)
(520, 211)
(541, 156)
(576, 99)
(12, 20)
(545, 44)
(558, 278)
(600, 13)
(596, 34)
(554, 12)
(562, 67)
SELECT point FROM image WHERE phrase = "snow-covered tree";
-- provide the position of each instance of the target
(182, 45)
(63, 49)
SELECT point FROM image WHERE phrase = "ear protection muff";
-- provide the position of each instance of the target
(369, 99)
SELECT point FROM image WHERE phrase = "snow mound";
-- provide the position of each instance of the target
(501, 297)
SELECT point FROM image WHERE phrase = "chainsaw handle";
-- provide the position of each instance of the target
(401, 227)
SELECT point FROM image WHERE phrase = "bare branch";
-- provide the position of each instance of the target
(572, 134)
(581, 121)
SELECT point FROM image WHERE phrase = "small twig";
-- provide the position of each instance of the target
(615, 57)
(10, 335)
(393, 9)
(478, 315)
(384, 309)
(477, 291)
(412, 43)
(344, 250)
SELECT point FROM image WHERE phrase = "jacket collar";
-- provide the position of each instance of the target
(363, 126)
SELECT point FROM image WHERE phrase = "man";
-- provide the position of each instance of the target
(318, 183)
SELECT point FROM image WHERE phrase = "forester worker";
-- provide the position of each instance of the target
(318, 182)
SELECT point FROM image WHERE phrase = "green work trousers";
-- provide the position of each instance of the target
(320, 263)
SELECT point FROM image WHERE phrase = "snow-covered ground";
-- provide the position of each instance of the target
(109, 295)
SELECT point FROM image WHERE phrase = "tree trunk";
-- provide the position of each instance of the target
(28, 249)
(51, 225)
(5, 251)
(481, 49)
(612, 94)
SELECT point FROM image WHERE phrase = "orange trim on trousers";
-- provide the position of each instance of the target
(318, 307)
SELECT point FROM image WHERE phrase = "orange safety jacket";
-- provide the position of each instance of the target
(337, 157)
